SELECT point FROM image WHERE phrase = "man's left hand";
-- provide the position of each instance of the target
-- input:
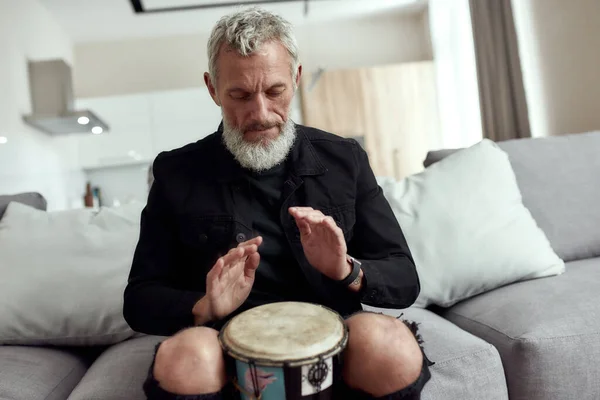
(323, 242)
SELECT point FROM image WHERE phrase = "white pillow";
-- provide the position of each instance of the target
(63, 276)
(467, 227)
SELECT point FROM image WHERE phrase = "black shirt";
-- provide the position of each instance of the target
(197, 210)
(278, 277)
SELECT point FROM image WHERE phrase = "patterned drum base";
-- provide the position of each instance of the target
(317, 377)
(305, 382)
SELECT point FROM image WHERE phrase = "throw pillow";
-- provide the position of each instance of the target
(467, 228)
(63, 276)
(34, 200)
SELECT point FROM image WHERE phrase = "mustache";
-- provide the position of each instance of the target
(261, 126)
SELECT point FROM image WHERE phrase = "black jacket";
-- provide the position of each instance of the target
(192, 217)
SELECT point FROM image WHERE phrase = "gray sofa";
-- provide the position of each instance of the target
(531, 340)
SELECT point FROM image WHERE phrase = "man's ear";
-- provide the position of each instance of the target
(211, 89)
(298, 75)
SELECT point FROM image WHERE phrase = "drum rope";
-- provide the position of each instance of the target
(244, 391)
(255, 383)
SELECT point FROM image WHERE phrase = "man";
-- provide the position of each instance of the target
(261, 211)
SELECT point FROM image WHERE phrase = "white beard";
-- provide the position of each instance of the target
(259, 156)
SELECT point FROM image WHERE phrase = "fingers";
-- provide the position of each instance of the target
(303, 211)
(303, 227)
(215, 272)
(243, 250)
(238, 253)
(257, 241)
(251, 265)
(309, 219)
(330, 224)
(235, 256)
(306, 214)
(294, 210)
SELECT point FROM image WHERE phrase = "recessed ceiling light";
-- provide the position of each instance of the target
(83, 120)
(135, 155)
(3, 140)
(97, 130)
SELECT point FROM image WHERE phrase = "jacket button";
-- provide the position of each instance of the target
(240, 238)
(203, 238)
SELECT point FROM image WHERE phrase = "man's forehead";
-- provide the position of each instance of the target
(268, 65)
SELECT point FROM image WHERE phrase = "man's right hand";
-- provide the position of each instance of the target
(229, 282)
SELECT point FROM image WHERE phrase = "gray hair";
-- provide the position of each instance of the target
(246, 31)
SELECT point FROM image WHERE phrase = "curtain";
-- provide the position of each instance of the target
(456, 73)
(502, 99)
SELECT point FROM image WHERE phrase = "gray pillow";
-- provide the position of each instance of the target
(34, 200)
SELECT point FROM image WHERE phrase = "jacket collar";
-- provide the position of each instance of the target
(302, 158)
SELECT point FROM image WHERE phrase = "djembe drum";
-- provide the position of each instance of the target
(285, 351)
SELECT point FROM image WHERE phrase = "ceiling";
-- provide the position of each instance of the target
(109, 20)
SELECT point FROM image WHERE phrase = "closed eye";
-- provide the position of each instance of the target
(240, 95)
(274, 93)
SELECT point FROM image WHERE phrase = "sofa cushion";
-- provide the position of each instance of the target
(559, 178)
(466, 367)
(40, 373)
(119, 372)
(559, 181)
(547, 332)
(34, 200)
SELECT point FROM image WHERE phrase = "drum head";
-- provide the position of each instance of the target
(287, 333)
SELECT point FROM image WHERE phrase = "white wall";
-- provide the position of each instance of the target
(379, 40)
(31, 160)
(559, 45)
(168, 63)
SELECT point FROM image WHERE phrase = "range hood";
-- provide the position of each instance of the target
(53, 112)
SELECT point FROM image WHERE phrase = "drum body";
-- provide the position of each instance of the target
(285, 351)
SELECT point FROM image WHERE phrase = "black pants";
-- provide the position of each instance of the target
(341, 390)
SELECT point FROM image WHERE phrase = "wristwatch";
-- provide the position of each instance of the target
(354, 274)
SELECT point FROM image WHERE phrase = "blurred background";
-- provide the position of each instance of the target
(92, 90)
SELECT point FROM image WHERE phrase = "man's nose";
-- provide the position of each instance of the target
(260, 106)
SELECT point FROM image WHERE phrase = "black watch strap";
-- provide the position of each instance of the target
(353, 275)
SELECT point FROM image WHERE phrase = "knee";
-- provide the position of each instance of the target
(382, 356)
(191, 362)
